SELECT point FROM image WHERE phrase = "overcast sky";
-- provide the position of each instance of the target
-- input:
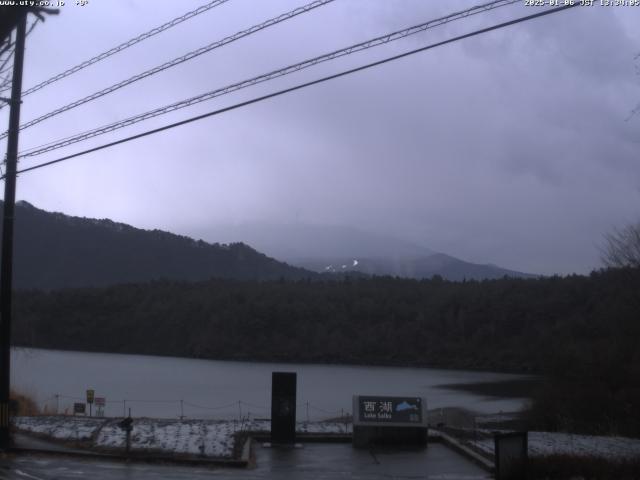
(513, 148)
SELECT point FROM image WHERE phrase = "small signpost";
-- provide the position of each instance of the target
(381, 419)
(100, 404)
(90, 396)
(79, 408)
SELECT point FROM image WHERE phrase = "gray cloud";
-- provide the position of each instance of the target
(510, 148)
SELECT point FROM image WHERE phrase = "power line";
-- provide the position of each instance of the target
(9, 46)
(222, 407)
(9, 55)
(7, 80)
(252, 405)
(4, 63)
(177, 61)
(4, 68)
(125, 45)
(301, 86)
(6, 47)
(390, 37)
(33, 25)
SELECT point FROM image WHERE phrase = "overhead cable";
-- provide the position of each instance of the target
(390, 37)
(176, 61)
(125, 45)
(300, 86)
(6, 82)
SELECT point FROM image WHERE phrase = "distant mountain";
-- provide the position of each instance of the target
(449, 268)
(53, 250)
(295, 241)
(340, 249)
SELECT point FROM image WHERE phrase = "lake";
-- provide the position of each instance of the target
(168, 387)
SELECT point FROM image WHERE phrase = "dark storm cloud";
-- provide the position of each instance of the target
(510, 148)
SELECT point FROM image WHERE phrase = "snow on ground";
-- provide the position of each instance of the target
(210, 438)
(216, 438)
(194, 437)
(72, 428)
(325, 428)
(550, 443)
(496, 418)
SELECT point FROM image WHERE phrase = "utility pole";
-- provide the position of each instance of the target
(6, 266)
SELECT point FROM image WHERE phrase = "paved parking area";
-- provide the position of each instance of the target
(312, 461)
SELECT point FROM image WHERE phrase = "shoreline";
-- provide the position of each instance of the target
(245, 360)
(508, 388)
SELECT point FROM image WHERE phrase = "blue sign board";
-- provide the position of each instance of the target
(407, 410)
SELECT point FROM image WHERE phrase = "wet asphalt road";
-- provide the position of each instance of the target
(312, 461)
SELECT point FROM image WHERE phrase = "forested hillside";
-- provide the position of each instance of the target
(53, 250)
(509, 324)
(582, 331)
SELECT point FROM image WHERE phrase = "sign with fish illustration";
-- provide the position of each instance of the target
(406, 410)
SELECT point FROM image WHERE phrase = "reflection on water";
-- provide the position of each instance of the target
(168, 387)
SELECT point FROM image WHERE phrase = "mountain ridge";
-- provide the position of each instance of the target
(55, 250)
(446, 266)
(316, 247)
(292, 240)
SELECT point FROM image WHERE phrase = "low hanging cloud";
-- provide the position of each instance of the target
(514, 147)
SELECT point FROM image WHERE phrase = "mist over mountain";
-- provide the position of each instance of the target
(448, 267)
(340, 249)
(297, 241)
(53, 250)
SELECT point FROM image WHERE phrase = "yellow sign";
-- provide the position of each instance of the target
(90, 395)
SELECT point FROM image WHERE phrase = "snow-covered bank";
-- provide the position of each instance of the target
(59, 427)
(205, 438)
(217, 438)
(542, 444)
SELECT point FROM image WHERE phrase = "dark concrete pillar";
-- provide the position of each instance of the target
(283, 408)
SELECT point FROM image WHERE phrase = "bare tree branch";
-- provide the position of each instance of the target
(622, 247)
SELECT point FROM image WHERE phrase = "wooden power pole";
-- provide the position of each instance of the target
(6, 262)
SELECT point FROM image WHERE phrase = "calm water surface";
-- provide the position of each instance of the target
(168, 387)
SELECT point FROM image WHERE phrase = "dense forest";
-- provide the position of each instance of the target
(583, 332)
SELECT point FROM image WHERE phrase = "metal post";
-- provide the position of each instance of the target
(128, 432)
(128, 441)
(7, 234)
(181, 410)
